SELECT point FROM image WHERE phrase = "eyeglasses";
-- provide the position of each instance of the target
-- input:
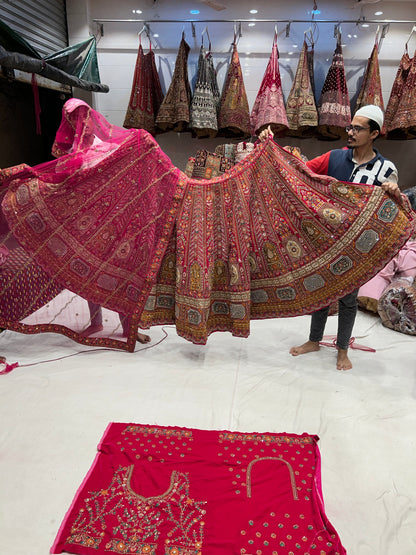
(355, 128)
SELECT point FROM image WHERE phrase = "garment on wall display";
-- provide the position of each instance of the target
(234, 114)
(269, 106)
(159, 490)
(371, 91)
(112, 221)
(301, 111)
(146, 94)
(400, 116)
(206, 97)
(334, 105)
(174, 113)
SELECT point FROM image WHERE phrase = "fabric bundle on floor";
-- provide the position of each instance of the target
(113, 222)
(146, 94)
(170, 491)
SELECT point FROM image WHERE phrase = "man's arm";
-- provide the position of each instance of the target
(318, 165)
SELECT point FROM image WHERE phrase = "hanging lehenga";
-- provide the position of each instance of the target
(114, 223)
(269, 107)
(206, 97)
(234, 114)
(400, 116)
(371, 91)
(301, 112)
(174, 112)
(334, 105)
(146, 93)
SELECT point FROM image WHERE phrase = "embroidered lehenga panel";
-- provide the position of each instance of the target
(301, 112)
(400, 116)
(234, 114)
(113, 222)
(96, 220)
(334, 104)
(269, 106)
(174, 113)
(155, 490)
(206, 97)
(146, 94)
(276, 239)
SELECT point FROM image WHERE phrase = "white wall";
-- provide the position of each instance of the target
(117, 49)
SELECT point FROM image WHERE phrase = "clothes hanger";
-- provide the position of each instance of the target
(410, 36)
(209, 40)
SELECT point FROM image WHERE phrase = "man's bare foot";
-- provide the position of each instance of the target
(308, 347)
(143, 338)
(93, 328)
(343, 362)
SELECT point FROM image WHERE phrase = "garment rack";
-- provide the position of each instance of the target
(339, 21)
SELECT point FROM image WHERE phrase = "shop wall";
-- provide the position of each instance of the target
(117, 51)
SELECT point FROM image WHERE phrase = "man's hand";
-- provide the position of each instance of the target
(265, 134)
(391, 188)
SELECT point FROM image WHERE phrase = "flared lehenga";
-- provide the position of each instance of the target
(115, 223)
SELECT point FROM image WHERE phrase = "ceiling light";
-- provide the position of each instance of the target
(137, 11)
(294, 45)
(378, 13)
(349, 36)
(365, 25)
(194, 12)
(251, 24)
(254, 11)
(156, 35)
(315, 12)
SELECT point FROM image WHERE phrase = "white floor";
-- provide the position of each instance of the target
(56, 405)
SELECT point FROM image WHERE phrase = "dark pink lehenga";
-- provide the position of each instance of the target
(112, 223)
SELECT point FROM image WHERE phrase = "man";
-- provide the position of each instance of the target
(359, 163)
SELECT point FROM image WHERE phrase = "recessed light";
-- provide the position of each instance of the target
(365, 25)
(254, 11)
(137, 11)
(349, 36)
(194, 12)
(156, 35)
(251, 24)
(294, 45)
(378, 13)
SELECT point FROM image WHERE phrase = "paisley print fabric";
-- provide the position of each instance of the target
(400, 116)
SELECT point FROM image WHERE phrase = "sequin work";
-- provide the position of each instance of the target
(176, 491)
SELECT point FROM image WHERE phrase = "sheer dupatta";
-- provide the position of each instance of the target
(94, 223)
